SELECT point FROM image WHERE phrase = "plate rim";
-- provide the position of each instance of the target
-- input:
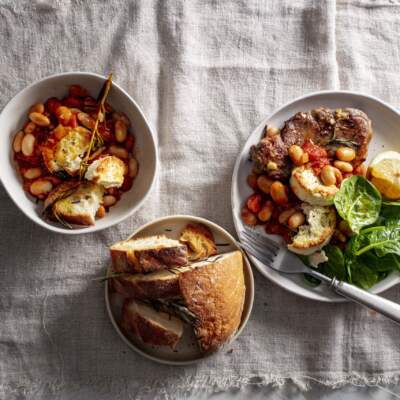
(250, 290)
(255, 262)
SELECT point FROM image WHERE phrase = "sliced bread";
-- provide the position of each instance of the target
(148, 254)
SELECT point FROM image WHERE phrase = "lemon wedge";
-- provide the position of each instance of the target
(384, 172)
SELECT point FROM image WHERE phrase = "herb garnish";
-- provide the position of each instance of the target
(96, 141)
(109, 276)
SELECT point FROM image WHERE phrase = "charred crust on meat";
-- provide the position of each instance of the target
(354, 125)
(323, 127)
(271, 148)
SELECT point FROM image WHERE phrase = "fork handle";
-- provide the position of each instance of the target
(379, 304)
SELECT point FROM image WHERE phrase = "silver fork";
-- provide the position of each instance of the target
(267, 251)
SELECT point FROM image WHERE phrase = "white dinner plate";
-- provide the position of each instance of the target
(187, 351)
(386, 126)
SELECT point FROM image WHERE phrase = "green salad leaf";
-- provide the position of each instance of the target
(335, 266)
(391, 210)
(363, 276)
(380, 264)
(382, 240)
(358, 202)
(373, 252)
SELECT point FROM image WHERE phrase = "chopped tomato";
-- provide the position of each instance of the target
(77, 91)
(275, 228)
(129, 142)
(248, 217)
(41, 135)
(317, 155)
(106, 131)
(317, 165)
(314, 152)
(89, 104)
(108, 108)
(73, 122)
(33, 160)
(73, 102)
(254, 203)
(52, 104)
(128, 182)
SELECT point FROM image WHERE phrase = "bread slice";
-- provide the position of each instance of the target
(308, 187)
(80, 206)
(316, 232)
(148, 254)
(65, 148)
(162, 284)
(151, 326)
(215, 294)
(108, 172)
(159, 285)
(199, 240)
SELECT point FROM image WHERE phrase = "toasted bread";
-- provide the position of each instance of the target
(316, 232)
(80, 206)
(65, 148)
(148, 254)
(199, 240)
(108, 172)
(215, 294)
(308, 187)
(62, 190)
(151, 326)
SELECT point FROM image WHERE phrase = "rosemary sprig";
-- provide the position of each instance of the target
(64, 223)
(177, 308)
(338, 141)
(96, 141)
(346, 142)
(109, 276)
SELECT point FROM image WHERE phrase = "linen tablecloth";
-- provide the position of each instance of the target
(205, 74)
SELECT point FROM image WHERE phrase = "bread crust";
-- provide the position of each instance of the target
(148, 260)
(321, 195)
(199, 240)
(106, 163)
(316, 243)
(69, 213)
(149, 332)
(136, 286)
(215, 294)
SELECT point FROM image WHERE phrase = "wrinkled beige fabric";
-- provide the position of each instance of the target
(205, 74)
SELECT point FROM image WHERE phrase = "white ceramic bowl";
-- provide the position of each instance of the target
(385, 122)
(14, 115)
(187, 351)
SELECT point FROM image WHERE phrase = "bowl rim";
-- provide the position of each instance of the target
(94, 228)
(394, 278)
(250, 290)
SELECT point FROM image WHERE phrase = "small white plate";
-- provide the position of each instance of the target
(187, 351)
(386, 125)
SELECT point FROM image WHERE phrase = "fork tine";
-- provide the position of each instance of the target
(264, 245)
(255, 253)
(261, 249)
(261, 239)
